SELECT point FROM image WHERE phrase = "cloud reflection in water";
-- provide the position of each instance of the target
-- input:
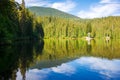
(94, 67)
(108, 68)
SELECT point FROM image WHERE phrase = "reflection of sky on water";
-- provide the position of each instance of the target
(85, 68)
(107, 68)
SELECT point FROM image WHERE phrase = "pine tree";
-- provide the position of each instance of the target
(22, 19)
(23, 5)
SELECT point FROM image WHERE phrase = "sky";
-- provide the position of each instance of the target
(81, 8)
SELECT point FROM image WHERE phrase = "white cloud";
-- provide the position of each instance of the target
(105, 1)
(100, 64)
(43, 74)
(19, 1)
(105, 67)
(64, 69)
(64, 6)
(109, 1)
(102, 9)
(34, 74)
(35, 2)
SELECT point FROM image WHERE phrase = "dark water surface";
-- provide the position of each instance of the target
(61, 60)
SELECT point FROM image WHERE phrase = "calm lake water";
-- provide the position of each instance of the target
(61, 60)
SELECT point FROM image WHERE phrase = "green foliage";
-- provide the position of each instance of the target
(106, 26)
(8, 21)
(56, 27)
(56, 24)
(88, 29)
(39, 32)
(58, 49)
(16, 22)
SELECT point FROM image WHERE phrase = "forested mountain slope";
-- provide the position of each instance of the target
(45, 11)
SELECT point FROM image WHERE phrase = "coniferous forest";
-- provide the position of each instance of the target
(18, 23)
(55, 27)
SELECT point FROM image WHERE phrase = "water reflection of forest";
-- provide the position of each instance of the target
(18, 56)
(76, 48)
(22, 56)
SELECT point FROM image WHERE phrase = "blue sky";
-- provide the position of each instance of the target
(81, 8)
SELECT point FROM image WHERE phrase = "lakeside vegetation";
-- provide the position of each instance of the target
(57, 24)
(69, 28)
(17, 23)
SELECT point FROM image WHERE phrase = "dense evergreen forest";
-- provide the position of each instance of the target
(17, 23)
(63, 26)
(55, 27)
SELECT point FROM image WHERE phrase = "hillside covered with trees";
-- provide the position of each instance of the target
(46, 11)
(57, 24)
